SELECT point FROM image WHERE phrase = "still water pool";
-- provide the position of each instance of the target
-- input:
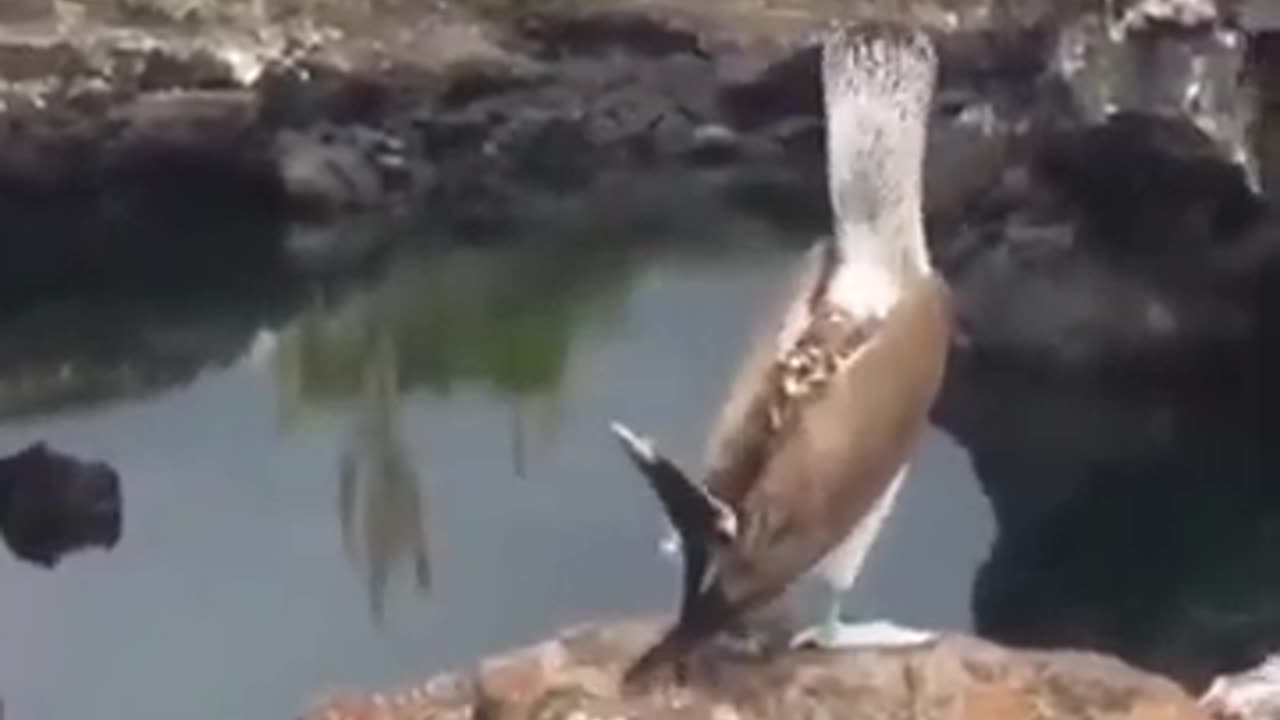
(413, 477)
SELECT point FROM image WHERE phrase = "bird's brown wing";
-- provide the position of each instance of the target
(840, 449)
(736, 437)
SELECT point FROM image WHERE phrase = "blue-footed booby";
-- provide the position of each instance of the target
(815, 438)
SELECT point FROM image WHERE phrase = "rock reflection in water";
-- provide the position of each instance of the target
(501, 320)
(379, 494)
(1144, 524)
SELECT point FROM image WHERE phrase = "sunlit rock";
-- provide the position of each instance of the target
(576, 675)
(1253, 694)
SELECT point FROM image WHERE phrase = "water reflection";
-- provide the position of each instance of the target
(388, 430)
(505, 320)
(379, 502)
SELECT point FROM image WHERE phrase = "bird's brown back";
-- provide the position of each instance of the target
(803, 477)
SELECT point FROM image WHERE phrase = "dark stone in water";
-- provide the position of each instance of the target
(53, 504)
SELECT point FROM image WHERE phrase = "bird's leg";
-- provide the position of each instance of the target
(839, 570)
(764, 631)
(835, 634)
(742, 639)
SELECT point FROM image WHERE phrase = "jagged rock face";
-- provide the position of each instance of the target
(1077, 239)
(1094, 205)
(959, 678)
(25, 10)
(1134, 521)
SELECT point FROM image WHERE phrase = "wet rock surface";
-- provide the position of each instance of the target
(1095, 184)
(575, 675)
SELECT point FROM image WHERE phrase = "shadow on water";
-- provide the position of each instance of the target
(1136, 521)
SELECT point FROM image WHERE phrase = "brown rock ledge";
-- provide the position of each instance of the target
(575, 676)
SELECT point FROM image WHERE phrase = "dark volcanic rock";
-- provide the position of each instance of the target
(1086, 228)
(1116, 253)
(1133, 521)
(599, 33)
(97, 191)
(1092, 183)
(52, 504)
(757, 91)
(1139, 182)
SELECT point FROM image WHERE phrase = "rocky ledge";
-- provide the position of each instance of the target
(1099, 175)
(959, 677)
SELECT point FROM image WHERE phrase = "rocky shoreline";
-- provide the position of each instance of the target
(1097, 186)
(574, 675)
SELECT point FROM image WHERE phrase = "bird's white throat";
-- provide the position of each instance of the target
(864, 290)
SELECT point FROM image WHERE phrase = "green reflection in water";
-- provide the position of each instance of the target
(503, 320)
(380, 505)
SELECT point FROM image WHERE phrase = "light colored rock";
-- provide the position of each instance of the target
(1250, 695)
(1186, 13)
(1136, 63)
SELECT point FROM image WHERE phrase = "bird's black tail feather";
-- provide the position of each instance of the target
(699, 517)
(704, 615)
(701, 520)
